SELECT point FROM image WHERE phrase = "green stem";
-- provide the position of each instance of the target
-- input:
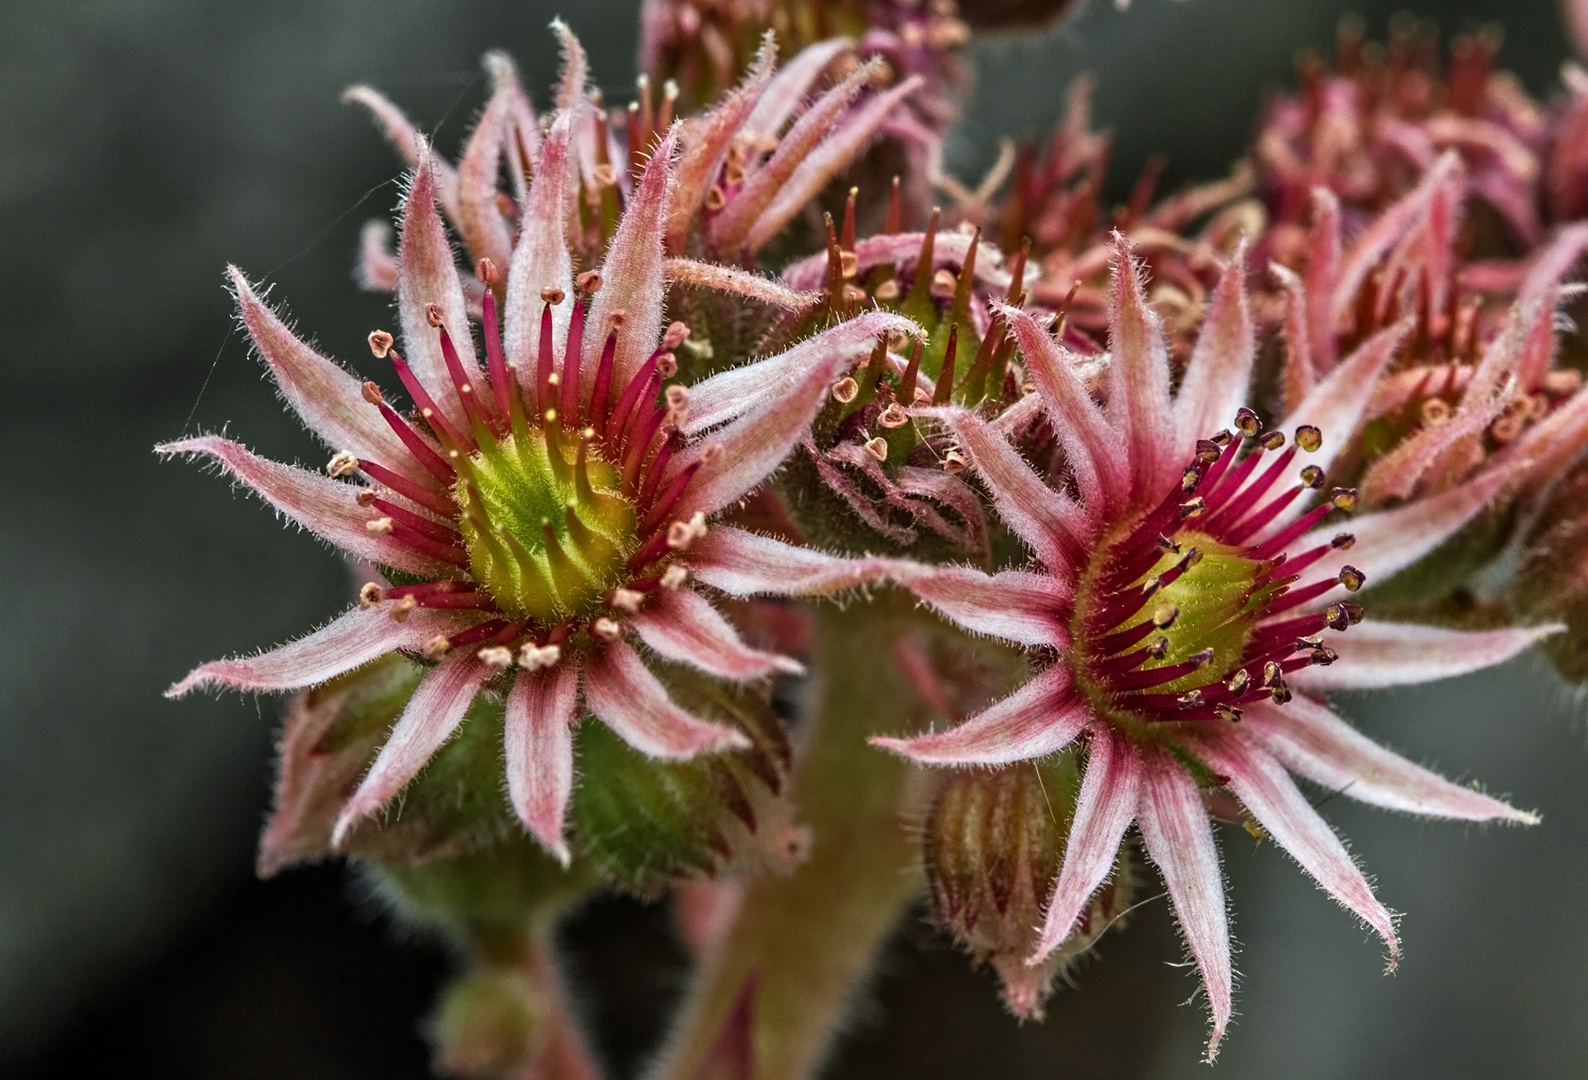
(809, 938)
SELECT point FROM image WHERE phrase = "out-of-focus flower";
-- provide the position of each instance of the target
(532, 516)
(1178, 607)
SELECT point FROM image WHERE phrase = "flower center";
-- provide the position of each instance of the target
(546, 536)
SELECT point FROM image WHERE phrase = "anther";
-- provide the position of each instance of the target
(1343, 542)
(1352, 578)
(1309, 438)
(1201, 659)
(887, 292)
(499, 657)
(588, 282)
(1246, 422)
(1158, 648)
(433, 314)
(401, 608)
(485, 270)
(1164, 615)
(1207, 451)
(1190, 479)
(1193, 507)
(1272, 440)
(371, 392)
(894, 416)
(1190, 559)
(1435, 411)
(674, 576)
(1336, 616)
(667, 365)
(677, 397)
(551, 295)
(1190, 700)
(1273, 675)
(953, 461)
(380, 343)
(342, 464)
(943, 283)
(606, 629)
(1312, 477)
(1163, 543)
(381, 526)
(534, 657)
(370, 595)
(1353, 611)
(436, 647)
(716, 198)
(1280, 695)
(854, 294)
(1239, 683)
(846, 390)
(677, 333)
(877, 448)
(1227, 712)
(626, 600)
(1344, 499)
(680, 534)
(1323, 656)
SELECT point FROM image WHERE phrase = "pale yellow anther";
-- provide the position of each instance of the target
(499, 657)
(534, 657)
(342, 464)
(381, 526)
(877, 448)
(627, 600)
(894, 416)
(606, 629)
(887, 292)
(436, 647)
(674, 576)
(846, 390)
(681, 534)
(370, 595)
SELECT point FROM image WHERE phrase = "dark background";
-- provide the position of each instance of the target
(144, 144)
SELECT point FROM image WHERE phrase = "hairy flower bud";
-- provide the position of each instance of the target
(993, 845)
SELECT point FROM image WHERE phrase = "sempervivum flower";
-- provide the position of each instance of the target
(533, 515)
(1370, 128)
(1178, 611)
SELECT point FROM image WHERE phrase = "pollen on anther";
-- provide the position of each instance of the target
(893, 416)
(846, 390)
(1247, 423)
(1272, 440)
(606, 629)
(1344, 499)
(1309, 438)
(1343, 542)
(1352, 578)
(370, 595)
(534, 657)
(342, 464)
(499, 657)
(381, 526)
(877, 448)
(436, 647)
(1164, 615)
(1227, 712)
(626, 600)
(380, 343)
(1239, 682)
(680, 534)
(1312, 477)
(1192, 507)
(674, 576)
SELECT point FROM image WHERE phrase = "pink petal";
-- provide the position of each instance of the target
(1323, 271)
(1097, 453)
(480, 220)
(1103, 811)
(734, 392)
(679, 624)
(826, 161)
(540, 260)
(786, 92)
(324, 506)
(1313, 742)
(1026, 608)
(430, 718)
(1549, 446)
(1219, 375)
(1046, 519)
(743, 564)
(1576, 14)
(351, 640)
(1263, 785)
(903, 252)
(728, 232)
(1299, 374)
(1174, 825)
(377, 264)
(538, 741)
(1391, 540)
(735, 282)
(1385, 230)
(1042, 717)
(427, 275)
(706, 140)
(1138, 384)
(1376, 654)
(319, 390)
(631, 274)
(574, 78)
(756, 443)
(625, 696)
(522, 136)
(1556, 261)
(1397, 473)
(409, 143)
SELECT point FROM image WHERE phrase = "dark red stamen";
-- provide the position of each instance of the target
(418, 523)
(427, 406)
(409, 489)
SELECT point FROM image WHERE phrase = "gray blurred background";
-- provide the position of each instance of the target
(146, 143)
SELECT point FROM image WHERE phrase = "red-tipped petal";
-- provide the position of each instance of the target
(1174, 826)
(1263, 785)
(1315, 743)
(428, 275)
(1042, 717)
(324, 506)
(681, 625)
(625, 696)
(1375, 654)
(538, 740)
(430, 718)
(1103, 811)
(351, 640)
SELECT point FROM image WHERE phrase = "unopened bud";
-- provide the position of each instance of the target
(489, 1023)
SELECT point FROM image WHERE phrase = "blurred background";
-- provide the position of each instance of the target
(146, 143)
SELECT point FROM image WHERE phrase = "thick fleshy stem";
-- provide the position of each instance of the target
(812, 936)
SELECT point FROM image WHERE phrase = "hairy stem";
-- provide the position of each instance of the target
(809, 938)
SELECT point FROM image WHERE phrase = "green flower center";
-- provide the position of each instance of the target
(546, 525)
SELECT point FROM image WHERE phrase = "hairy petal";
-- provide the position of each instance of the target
(744, 564)
(625, 696)
(1174, 826)
(1311, 741)
(1378, 654)
(480, 220)
(736, 282)
(1300, 372)
(351, 640)
(430, 718)
(1385, 230)
(1551, 267)
(1027, 608)
(681, 625)
(1263, 785)
(427, 275)
(540, 260)
(787, 90)
(538, 741)
(1042, 717)
(1138, 385)
(1323, 274)
(324, 506)
(1219, 374)
(408, 141)
(1103, 811)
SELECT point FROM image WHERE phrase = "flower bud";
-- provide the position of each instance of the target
(993, 844)
(488, 1024)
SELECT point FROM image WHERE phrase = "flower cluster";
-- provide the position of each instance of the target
(1152, 483)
